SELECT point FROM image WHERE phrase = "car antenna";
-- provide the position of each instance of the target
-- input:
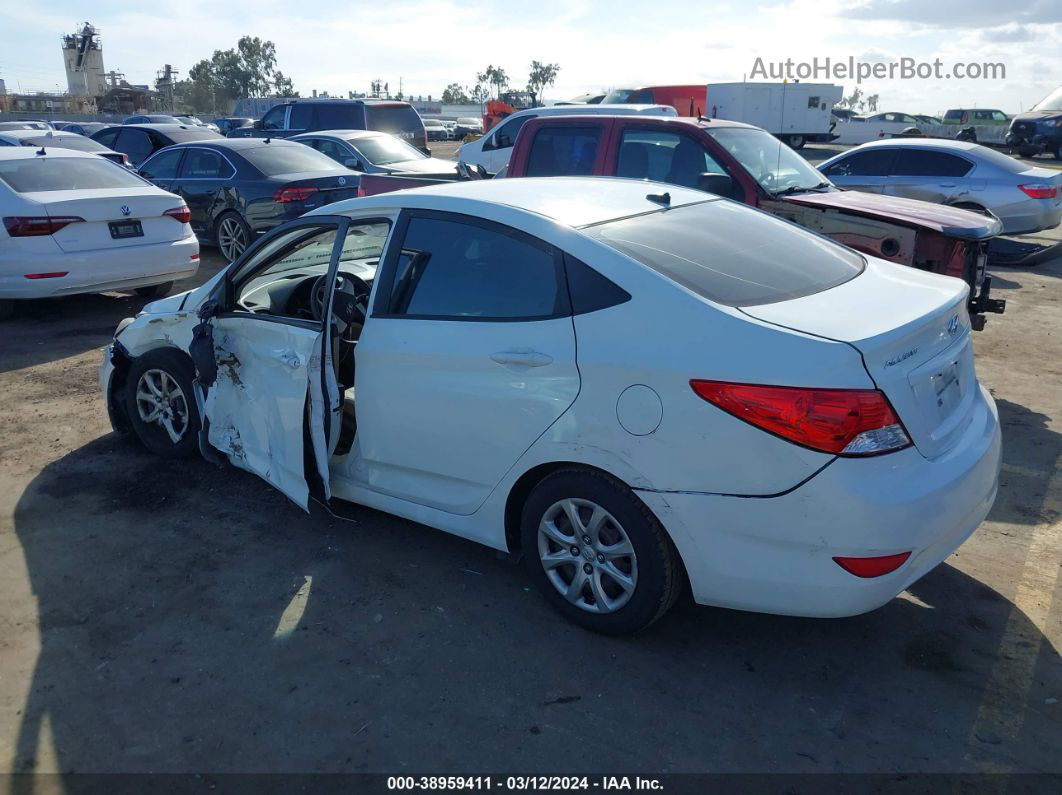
(267, 140)
(41, 151)
(660, 198)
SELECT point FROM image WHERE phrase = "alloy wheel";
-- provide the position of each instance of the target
(160, 401)
(587, 555)
(232, 238)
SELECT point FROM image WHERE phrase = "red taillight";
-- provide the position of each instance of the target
(294, 194)
(1039, 190)
(52, 275)
(849, 422)
(37, 226)
(182, 214)
(194, 256)
(873, 567)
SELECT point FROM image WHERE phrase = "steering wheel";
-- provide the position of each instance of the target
(346, 283)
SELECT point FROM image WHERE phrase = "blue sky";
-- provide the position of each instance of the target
(336, 46)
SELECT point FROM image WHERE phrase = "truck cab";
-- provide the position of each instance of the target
(749, 165)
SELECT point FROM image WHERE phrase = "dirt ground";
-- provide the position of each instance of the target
(174, 616)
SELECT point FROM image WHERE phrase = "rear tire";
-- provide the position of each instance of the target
(160, 403)
(155, 290)
(797, 141)
(625, 577)
(233, 235)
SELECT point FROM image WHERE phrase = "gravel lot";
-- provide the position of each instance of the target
(172, 616)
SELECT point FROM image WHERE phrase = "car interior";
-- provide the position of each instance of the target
(286, 279)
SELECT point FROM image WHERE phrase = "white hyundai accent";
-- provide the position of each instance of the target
(638, 386)
(77, 223)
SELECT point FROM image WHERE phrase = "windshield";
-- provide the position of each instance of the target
(774, 165)
(66, 173)
(77, 142)
(382, 151)
(272, 160)
(1052, 101)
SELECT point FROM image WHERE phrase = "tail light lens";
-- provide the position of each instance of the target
(285, 195)
(848, 422)
(37, 226)
(181, 214)
(1039, 190)
(52, 275)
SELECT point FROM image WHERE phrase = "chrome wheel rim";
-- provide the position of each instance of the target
(161, 402)
(232, 238)
(587, 555)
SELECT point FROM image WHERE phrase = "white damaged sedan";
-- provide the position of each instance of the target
(639, 387)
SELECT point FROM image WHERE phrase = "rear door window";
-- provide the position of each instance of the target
(301, 117)
(557, 151)
(872, 163)
(205, 164)
(459, 268)
(337, 117)
(923, 163)
(731, 255)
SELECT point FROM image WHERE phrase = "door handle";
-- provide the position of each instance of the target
(522, 358)
(947, 184)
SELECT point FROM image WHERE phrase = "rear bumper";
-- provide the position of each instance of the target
(123, 268)
(775, 555)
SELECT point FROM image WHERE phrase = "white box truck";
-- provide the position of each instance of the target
(794, 112)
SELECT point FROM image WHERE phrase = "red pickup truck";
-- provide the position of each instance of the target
(748, 164)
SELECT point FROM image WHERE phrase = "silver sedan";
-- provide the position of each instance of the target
(958, 173)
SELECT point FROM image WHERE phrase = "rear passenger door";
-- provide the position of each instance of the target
(202, 176)
(572, 149)
(467, 358)
(300, 119)
(928, 175)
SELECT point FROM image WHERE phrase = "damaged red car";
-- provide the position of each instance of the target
(750, 165)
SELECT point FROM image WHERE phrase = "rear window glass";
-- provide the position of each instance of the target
(272, 160)
(65, 142)
(392, 118)
(66, 173)
(730, 254)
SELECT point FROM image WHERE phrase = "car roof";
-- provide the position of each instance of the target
(30, 153)
(596, 110)
(572, 201)
(56, 134)
(340, 101)
(158, 127)
(346, 135)
(237, 144)
(921, 143)
(702, 123)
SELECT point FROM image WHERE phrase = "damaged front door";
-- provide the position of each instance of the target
(275, 391)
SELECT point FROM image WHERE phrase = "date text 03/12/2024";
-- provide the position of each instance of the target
(522, 783)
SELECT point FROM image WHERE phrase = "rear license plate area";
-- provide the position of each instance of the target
(124, 229)
(947, 387)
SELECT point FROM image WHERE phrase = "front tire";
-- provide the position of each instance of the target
(161, 405)
(597, 554)
(797, 141)
(233, 235)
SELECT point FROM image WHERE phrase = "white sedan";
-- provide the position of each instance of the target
(640, 387)
(77, 223)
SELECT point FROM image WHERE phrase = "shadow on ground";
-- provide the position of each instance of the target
(192, 620)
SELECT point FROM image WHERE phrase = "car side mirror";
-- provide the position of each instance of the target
(719, 184)
(352, 163)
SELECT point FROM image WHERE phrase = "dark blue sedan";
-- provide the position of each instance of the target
(239, 188)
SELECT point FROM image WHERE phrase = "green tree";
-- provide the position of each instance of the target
(453, 94)
(495, 77)
(248, 70)
(540, 76)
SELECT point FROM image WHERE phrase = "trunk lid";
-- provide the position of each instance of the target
(951, 221)
(331, 187)
(102, 206)
(913, 331)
